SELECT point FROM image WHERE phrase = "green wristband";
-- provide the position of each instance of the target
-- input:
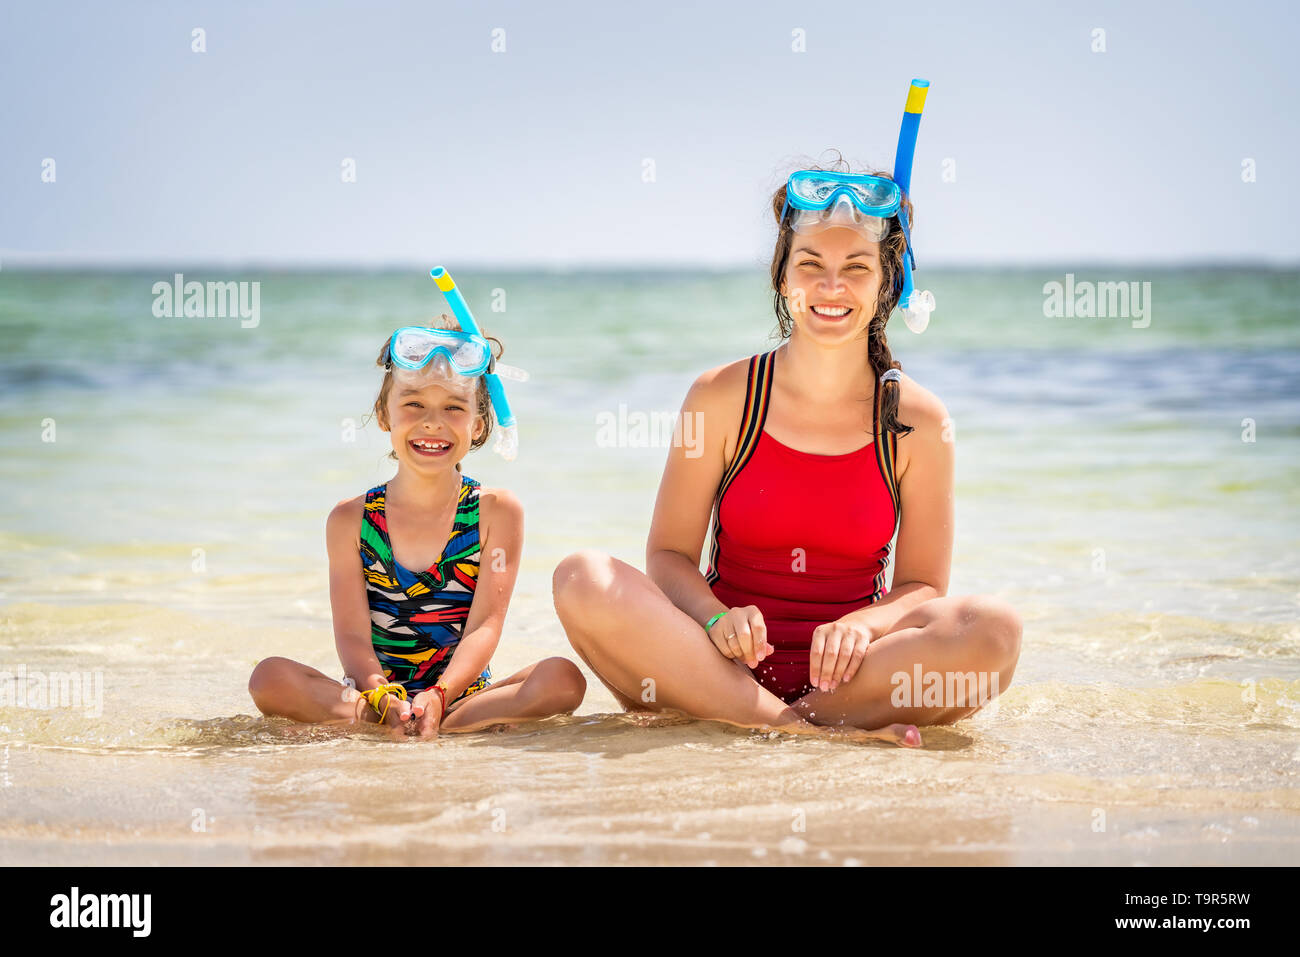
(709, 625)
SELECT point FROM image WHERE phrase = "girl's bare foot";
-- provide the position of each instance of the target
(397, 713)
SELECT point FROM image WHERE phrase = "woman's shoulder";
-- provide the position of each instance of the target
(498, 505)
(719, 389)
(918, 406)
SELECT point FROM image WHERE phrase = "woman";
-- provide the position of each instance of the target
(792, 625)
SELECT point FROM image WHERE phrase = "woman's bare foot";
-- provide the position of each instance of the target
(903, 735)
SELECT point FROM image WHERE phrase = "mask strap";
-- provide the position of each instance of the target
(907, 235)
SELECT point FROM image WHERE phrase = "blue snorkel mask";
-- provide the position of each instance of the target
(457, 357)
(821, 199)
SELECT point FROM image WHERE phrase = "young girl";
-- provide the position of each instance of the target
(415, 645)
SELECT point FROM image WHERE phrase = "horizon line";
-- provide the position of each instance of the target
(99, 264)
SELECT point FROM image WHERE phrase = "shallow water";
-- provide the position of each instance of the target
(1104, 488)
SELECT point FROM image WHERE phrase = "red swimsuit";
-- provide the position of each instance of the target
(804, 537)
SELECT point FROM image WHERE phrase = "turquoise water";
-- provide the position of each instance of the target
(1103, 487)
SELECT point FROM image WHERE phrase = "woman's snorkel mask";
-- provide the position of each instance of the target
(819, 199)
(455, 359)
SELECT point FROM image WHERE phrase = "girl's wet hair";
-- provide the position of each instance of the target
(484, 401)
(891, 287)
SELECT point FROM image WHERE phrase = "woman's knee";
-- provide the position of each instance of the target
(580, 580)
(995, 626)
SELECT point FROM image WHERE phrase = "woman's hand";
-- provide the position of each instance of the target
(426, 710)
(742, 635)
(838, 648)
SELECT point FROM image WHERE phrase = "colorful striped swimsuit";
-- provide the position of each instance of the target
(804, 537)
(416, 619)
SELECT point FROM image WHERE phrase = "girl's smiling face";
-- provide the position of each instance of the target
(831, 283)
(432, 424)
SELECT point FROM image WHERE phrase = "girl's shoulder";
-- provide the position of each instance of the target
(498, 508)
(349, 507)
(344, 521)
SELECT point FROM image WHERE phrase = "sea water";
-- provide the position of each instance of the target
(1131, 489)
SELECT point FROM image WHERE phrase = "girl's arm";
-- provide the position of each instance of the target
(348, 602)
(501, 530)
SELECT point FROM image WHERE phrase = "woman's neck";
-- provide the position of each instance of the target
(826, 372)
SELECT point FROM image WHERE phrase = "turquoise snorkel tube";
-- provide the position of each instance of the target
(915, 305)
(507, 443)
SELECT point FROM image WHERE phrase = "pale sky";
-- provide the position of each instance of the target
(536, 156)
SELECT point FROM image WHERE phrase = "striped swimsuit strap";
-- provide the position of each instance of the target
(887, 451)
(758, 396)
(758, 392)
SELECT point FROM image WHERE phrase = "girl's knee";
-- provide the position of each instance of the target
(562, 683)
(270, 677)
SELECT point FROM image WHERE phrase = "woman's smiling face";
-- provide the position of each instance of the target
(831, 284)
(433, 423)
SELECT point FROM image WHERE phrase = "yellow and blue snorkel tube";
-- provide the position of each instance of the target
(916, 305)
(507, 443)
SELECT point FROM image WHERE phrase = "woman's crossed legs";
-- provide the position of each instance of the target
(652, 656)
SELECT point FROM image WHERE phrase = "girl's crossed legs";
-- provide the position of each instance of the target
(293, 690)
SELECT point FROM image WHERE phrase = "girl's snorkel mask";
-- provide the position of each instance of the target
(821, 199)
(455, 359)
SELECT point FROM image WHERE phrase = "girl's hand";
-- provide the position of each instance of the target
(838, 648)
(742, 634)
(396, 712)
(426, 708)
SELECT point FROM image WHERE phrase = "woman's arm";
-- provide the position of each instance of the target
(501, 525)
(348, 602)
(690, 481)
(925, 536)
